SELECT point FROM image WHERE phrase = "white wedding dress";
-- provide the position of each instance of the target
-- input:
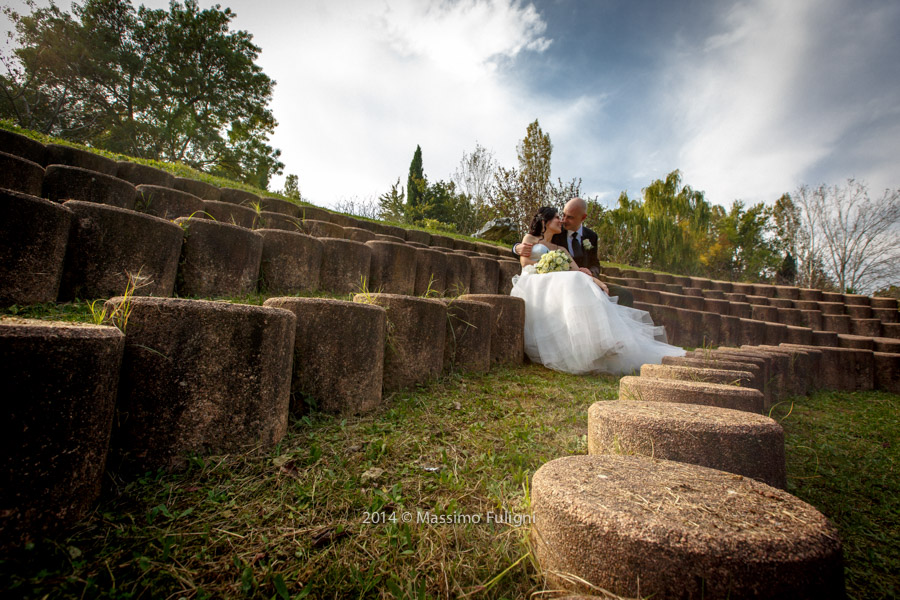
(571, 325)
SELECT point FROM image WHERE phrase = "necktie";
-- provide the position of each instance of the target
(576, 246)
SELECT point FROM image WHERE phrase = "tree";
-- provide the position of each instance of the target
(174, 85)
(392, 205)
(855, 239)
(474, 176)
(291, 187)
(742, 247)
(415, 183)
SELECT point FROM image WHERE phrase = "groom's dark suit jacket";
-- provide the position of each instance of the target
(588, 259)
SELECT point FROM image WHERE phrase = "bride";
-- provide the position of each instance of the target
(571, 324)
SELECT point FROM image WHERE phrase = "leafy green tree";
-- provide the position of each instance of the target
(415, 183)
(291, 187)
(174, 85)
(392, 204)
(743, 248)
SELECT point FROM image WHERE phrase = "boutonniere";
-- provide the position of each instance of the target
(587, 245)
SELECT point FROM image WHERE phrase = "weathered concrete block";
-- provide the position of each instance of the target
(810, 294)
(753, 332)
(832, 308)
(322, 229)
(787, 291)
(290, 262)
(431, 272)
(855, 341)
(735, 441)
(701, 375)
(167, 203)
(315, 214)
(889, 345)
(705, 359)
(34, 233)
(467, 345)
(459, 274)
(441, 241)
(284, 207)
(338, 361)
(485, 275)
(859, 311)
(691, 392)
(231, 214)
(200, 189)
(886, 369)
(886, 315)
(236, 196)
(389, 238)
(866, 327)
(625, 524)
(218, 259)
(344, 221)
(857, 300)
(63, 183)
(22, 146)
(508, 270)
(410, 357)
(59, 381)
(508, 329)
(397, 232)
(138, 174)
(837, 323)
(111, 248)
(359, 235)
(799, 335)
(199, 376)
(274, 220)
(393, 268)
(415, 235)
(57, 154)
(775, 333)
(20, 175)
(346, 266)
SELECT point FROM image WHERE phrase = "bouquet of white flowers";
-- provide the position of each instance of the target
(555, 260)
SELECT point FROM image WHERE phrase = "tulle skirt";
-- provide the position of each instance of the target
(572, 326)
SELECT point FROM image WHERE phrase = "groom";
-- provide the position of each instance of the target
(581, 243)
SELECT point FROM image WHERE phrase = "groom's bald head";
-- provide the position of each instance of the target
(574, 214)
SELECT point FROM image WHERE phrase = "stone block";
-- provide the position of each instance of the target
(625, 524)
(735, 441)
(236, 196)
(865, 327)
(393, 269)
(63, 183)
(691, 392)
(886, 374)
(359, 235)
(22, 146)
(508, 328)
(837, 323)
(459, 274)
(218, 259)
(57, 154)
(200, 189)
(485, 275)
(416, 235)
(200, 377)
(20, 175)
(346, 266)
(283, 207)
(467, 345)
(111, 249)
(230, 214)
(290, 262)
(34, 233)
(167, 203)
(59, 381)
(431, 272)
(508, 270)
(317, 214)
(410, 357)
(275, 220)
(441, 241)
(338, 363)
(138, 174)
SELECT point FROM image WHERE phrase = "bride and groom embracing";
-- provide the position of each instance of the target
(571, 322)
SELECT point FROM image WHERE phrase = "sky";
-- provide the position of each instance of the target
(749, 99)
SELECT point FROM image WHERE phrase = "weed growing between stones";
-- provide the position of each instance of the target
(118, 316)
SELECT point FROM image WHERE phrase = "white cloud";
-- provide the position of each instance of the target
(776, 95)
(361, 84)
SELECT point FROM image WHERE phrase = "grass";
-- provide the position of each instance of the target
(843, 454)
(293, 522)
(321, 515)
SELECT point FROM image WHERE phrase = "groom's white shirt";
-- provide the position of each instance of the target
(579, 232)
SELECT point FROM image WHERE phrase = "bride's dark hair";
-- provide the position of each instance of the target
(540, 220)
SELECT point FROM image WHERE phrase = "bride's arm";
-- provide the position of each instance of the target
(527, 260)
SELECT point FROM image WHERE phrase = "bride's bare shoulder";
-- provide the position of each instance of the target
(530, 239)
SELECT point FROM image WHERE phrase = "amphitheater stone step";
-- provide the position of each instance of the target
(139, 174)
(409, 356)
(719, 438)
(231, 214)
(20, 175)
(200, 189)
(467, 345)
(393, 269)
(507, 329)
(63, 183)
(167, 203)
(218, 259)
(22, 146)
(111, 248)
(200, 376)
(322, 228)
(290, 262)
(485, 275)
(338, 350)
(237, 196)
(691, 392)
(346, 265)
(431, 272)
(60, 382)
(277, 205)
(274, 220)
(34, 233)
(636, 526)
(58, 154)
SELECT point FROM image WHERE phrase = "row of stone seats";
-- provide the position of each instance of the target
(681, 494)
(178, 376)
(89, 250)
(789, 305)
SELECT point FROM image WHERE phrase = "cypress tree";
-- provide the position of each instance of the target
(414, 188)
